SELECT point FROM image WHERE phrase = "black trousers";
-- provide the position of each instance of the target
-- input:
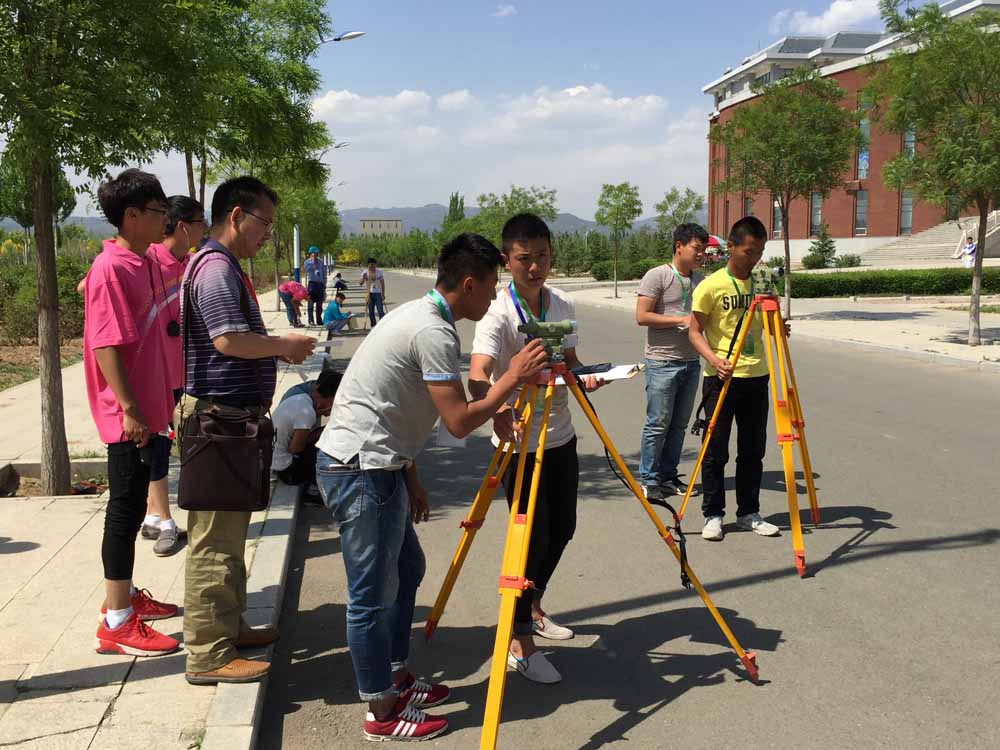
(554, 523)
(302, 469)
(747, 403)
(317, 293)
(128, 485)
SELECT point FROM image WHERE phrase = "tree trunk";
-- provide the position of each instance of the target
(788, 264)
(614, 265)
(189, 163)
(977, 272)
(277, 278)
(202, 176)
(55, 472)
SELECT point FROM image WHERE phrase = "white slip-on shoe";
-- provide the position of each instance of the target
(753, 522)
(548, 628)
(712, 530)
(535, 668)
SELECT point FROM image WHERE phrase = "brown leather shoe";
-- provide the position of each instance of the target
(238, 670)
(257, 637)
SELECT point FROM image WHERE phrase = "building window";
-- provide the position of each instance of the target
(910, 142)
(861, 213)
(863, 154)
(775, 220)
(906, 212)
(747, 206)
(815, 213)
(762, 80)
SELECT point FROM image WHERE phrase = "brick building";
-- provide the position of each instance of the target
(864, 215)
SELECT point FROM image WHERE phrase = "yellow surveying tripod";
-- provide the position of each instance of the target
(788, 418)
(512, 583)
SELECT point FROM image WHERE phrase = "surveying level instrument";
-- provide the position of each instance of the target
(512, 583)
(788, 417)
(551, 333)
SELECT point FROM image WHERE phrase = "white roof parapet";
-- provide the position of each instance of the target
(841, 47)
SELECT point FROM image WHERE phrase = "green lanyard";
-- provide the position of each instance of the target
(748, 346)
(520, 304)
(685, 291)
(442, 305)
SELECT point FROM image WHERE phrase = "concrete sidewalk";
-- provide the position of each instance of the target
(920, 328)
(55, 690)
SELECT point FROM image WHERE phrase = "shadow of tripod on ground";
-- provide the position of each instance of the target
(638, 672)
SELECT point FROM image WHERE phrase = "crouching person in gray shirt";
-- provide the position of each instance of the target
(402, 378)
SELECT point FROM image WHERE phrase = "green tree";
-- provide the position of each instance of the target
(793, 140)
(946, 94)
(675, 209)
(456, 211)
(82, 84)
(494, 210)
(16, 189)
(617, 209)
(821, 251)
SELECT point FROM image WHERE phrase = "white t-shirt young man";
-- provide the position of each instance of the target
(291, 414)
(497, 337)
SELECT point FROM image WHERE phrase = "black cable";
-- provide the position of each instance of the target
(681, 541)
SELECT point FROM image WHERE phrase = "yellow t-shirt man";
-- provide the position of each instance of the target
(722, 298)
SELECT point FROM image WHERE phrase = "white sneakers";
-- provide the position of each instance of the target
(712, 531)
(548, 628)
(753, 522)
(535, 668)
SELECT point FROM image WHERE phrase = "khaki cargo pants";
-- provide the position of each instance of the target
(215, 581)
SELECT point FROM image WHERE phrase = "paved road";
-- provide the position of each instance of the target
(892, 641)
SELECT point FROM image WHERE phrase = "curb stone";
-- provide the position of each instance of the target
(236, 712)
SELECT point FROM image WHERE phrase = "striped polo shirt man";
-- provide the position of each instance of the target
(219, 293)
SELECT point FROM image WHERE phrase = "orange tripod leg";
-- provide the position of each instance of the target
(512, 581)
(737, 351)
(799, 423)
(749, 658)
(786, 434)
(472, 523)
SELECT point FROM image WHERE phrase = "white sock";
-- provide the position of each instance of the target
(152, 519)
(168, 523)
(115, 617)
(131, 590)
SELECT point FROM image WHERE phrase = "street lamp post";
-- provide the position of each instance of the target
(345, 37)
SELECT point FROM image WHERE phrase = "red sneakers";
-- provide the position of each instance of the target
(405, 723)
(147, 608)
(133, 637)
(421, 694)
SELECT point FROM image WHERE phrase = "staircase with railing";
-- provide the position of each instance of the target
(935, 245)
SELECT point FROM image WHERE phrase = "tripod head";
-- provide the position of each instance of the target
(552, 334)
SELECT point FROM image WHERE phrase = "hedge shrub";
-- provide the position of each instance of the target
(19, 300)
(921, 282)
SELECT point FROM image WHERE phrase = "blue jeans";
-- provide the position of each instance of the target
(334, 326)
(384, 564)
(375, 300)
(289, 307)
(671, 387)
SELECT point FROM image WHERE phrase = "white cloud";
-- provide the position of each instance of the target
(571, 139)
(345, 107)
(841, 15)
(505, 11)
(455, 100)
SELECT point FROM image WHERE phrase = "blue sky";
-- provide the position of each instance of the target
(474, 96)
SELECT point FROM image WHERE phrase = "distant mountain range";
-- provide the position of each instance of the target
(428, 218)
(425, 218)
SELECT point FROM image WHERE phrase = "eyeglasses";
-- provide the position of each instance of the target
(161, 211)
(267, 223)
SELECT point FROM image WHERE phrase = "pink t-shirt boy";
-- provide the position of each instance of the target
(120, 312)
(167, 275)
